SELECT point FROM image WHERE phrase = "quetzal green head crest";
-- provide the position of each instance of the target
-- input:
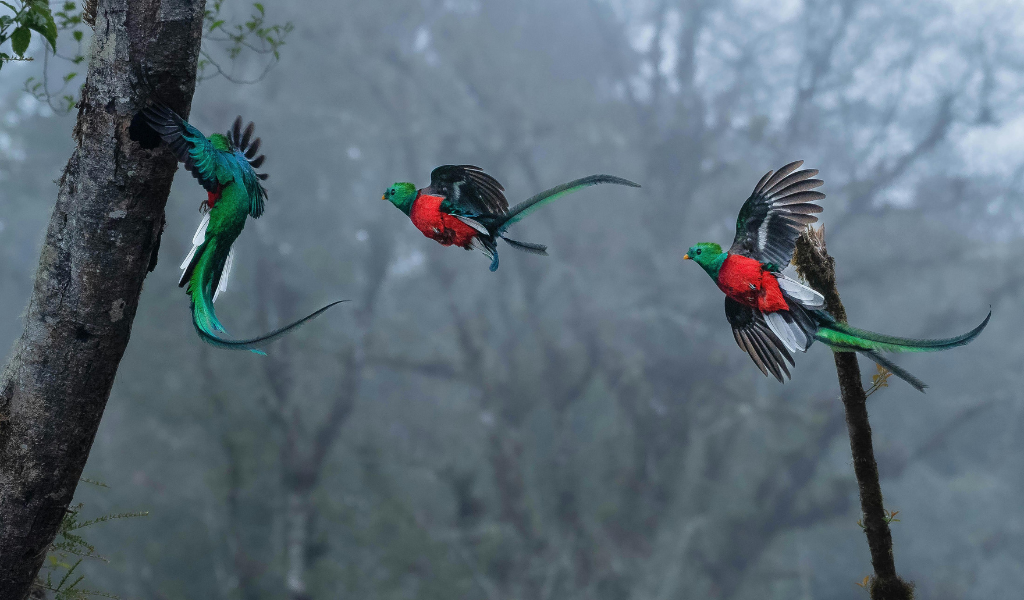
(705, 254)
(401, 195)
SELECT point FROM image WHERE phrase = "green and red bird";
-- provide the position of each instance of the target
(225, 165)
(466, 207)
(772, 314)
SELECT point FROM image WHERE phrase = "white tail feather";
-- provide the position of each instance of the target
(197, 240)
(224, 274)
(200, 235)
(188, 258)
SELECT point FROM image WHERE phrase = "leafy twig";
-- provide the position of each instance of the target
(68, 19)
(24, 17)
(254, 35)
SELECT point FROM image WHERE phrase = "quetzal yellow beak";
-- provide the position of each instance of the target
(384, 197)
(686, 257)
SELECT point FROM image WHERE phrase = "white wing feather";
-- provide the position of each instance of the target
(474, 224)
(807, 297)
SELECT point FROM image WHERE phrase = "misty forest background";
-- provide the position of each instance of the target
(583, 425)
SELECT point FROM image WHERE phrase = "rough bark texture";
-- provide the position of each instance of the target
(101, 242)
(818, 268)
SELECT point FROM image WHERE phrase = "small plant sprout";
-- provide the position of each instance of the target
(879, 380)
(68, 550)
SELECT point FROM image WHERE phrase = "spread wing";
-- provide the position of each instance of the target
(468, 190)
(773, 216)
(756, 339)
(191, 147)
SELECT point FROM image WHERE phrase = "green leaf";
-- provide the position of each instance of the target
(259, 7)
(77, 35)
(69, 6)
(41, 19)
(20, 39)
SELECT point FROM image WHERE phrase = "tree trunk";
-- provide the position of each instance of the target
(101, 242)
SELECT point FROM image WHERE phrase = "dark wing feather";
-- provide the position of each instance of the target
(243, 142)
(775, 213)
(468, 190)
(253, 149)
(755, 338)
(188, 144)
(246, 148)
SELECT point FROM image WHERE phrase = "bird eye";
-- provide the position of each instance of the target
(698, 251)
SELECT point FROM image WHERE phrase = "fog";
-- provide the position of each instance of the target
(580, 425)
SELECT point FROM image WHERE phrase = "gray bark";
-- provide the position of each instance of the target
(101, 242)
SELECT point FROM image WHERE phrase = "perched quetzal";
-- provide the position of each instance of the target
(773, 314)
(226, 166)
(466, 207)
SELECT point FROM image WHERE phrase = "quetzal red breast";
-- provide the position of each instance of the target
(466, 207)
(773, 314)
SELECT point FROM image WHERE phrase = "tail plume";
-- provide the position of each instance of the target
(208, 327)
(527, 246)
(519, 211)
(843, 338)
(833, 333)
(897, 370)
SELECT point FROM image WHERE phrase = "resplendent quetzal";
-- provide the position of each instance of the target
(466, 207)
(226, 166)
(773, 314)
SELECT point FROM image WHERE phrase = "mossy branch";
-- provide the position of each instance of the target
(815, 265)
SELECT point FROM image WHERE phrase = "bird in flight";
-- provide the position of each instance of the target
(466, 207)
(773, 314)
(226, 166)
